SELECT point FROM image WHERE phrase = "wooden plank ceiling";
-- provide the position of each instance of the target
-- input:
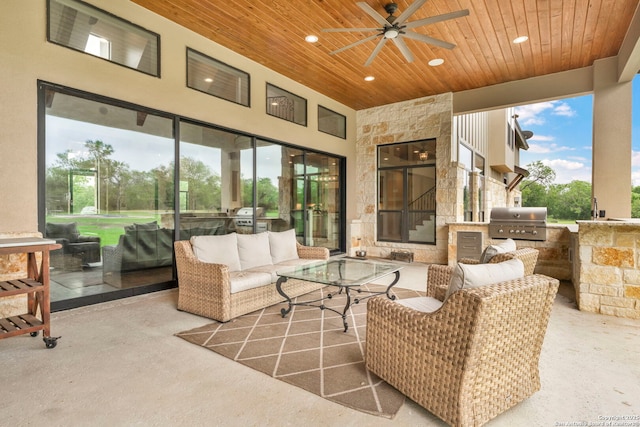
(563, 35)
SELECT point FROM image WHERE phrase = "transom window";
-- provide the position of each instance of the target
(286, 105)
(216, 78)
(85, 28)
(331, 122)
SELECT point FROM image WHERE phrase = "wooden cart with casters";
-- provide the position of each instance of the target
(35, 285)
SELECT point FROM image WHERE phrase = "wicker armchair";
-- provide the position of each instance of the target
(529, 256)
(205, 288)
(473, 358)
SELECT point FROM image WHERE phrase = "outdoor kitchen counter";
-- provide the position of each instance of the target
(554, 252)
(607, 276)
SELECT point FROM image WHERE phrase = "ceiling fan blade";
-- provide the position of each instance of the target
(372, 12)
(409, 11)
(349, 46)
(438, 18)
(338, 30)
(427, 39)
(403, 48)
(375, 51)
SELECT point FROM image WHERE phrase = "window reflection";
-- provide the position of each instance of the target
(216, 181)
(109, 189)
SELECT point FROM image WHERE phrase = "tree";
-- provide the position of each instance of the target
(534, 194)
(635, 202)
(570, 201)
(535, 187)
(539, 173)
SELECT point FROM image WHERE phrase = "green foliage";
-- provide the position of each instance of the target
(563, 201)
(570, 201)
(540, 174)
(635, 202)
(534, 194)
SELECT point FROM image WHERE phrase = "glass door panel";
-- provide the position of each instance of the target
(108, 195)
(274, 179)
(421, 204)
(216, 181)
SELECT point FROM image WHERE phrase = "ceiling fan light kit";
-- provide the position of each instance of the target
(396, 28)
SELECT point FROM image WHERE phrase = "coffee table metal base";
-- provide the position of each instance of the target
(347, 292)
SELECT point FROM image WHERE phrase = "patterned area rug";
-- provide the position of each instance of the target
(308, 349)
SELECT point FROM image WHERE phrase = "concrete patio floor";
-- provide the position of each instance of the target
(119, 364)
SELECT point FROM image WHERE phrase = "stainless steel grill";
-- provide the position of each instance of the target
(518, 223)
(244, 217)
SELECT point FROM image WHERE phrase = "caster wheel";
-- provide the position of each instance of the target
(50, 342)
(34, 334)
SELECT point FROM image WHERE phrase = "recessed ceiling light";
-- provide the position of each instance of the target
(208, 80)
(311, 38)
(369, 78)
(520, 39)
(436, 62)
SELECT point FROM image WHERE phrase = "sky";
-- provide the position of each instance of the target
(562, 136)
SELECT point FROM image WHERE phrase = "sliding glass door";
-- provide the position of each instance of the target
(114, 195)
(109, 195)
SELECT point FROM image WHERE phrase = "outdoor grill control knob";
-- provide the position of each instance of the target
(534, 232)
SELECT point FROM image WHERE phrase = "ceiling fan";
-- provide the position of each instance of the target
(396, 27)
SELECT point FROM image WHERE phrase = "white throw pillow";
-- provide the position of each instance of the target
(490, 251)
(222, 249)
(253, 250)
(476, 275)
(283, 246)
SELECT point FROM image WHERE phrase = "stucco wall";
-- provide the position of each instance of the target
(26, 57)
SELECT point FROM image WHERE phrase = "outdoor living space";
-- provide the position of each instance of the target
(119, 363)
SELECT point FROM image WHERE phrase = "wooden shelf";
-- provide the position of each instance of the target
(20, 324)
(35, 286)
(19, 286)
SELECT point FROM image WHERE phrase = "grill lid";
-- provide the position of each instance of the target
(519, 215)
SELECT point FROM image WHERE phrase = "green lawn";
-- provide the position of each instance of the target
(108, 227)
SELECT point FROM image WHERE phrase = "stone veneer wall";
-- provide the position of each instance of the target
(14, 266)
(422, 118)
(608, 279)
(553, 256)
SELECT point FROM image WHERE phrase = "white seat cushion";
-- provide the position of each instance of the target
(475, 275)
(267, 269)
(253, 250)
(244, 280)
(490, 251)
(283, 246)
(423, 304)
(283, 266)
(222, 249)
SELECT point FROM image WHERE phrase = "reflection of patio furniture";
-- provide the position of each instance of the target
(141, 246)
(77, 250)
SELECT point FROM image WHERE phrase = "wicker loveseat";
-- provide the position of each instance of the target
(222, 292)
(472, 358)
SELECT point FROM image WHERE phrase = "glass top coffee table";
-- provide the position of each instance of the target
(344, 274)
